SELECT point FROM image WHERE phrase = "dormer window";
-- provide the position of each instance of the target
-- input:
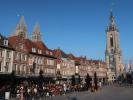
(33, 49)
(39, 51)
(6, 42)
(47, 52)
(51, 53)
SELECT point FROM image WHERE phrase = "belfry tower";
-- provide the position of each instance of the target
(113, 54)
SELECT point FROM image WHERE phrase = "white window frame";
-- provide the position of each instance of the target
(5, 42)
(33, 49)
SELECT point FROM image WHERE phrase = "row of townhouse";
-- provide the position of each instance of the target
(92, 66)
(26, 57)
(69, 65)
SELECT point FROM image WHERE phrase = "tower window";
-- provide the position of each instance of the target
(111, 41)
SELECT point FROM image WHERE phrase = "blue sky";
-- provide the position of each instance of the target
(76, 26)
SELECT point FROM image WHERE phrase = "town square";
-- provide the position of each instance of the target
(66, 50)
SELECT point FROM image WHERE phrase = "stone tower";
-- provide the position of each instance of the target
(36, 36)
(113, 55)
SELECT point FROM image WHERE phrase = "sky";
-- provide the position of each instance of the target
(75, 26)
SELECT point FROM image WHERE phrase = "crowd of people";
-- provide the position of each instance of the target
(34, 91)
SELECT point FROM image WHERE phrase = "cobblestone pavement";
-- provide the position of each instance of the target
(107, 93)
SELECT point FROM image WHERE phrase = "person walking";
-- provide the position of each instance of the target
(21, 93)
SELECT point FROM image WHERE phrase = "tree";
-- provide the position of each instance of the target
(79, 80)
(129, 78)
(13, 81)
(73, 80)
(95, 81)
(87, 80)
(41, 79)
(12, 77)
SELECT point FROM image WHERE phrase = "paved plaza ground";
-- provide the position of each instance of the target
(107, 93)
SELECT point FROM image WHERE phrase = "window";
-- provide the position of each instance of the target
(21, 46)
(51, 53)
(6, 42)
(0, 65)
(23, 68)
(112, 51)
(47, 52)
(15, 67)
(111, 41)
(50, 62)
(18, 56)
(7, 66)
(25, 57)
(39, 51)
(33, 49)
(0, 53)
(8, 54)
(15, 55)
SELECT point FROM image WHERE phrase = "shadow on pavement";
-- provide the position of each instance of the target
(72, 98)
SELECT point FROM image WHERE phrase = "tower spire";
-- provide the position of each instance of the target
(21, 25)
(21, 28)
(112, 25)
(36, 36)
(112, 21)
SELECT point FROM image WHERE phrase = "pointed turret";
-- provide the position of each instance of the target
(36, 36)
(21, 25)
(21, 28)
(112, 26)
(112, 21)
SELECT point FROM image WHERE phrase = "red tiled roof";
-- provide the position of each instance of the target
(57, 53)
(12, 40)
(30, 44)
(41, 45)
(71, 56)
